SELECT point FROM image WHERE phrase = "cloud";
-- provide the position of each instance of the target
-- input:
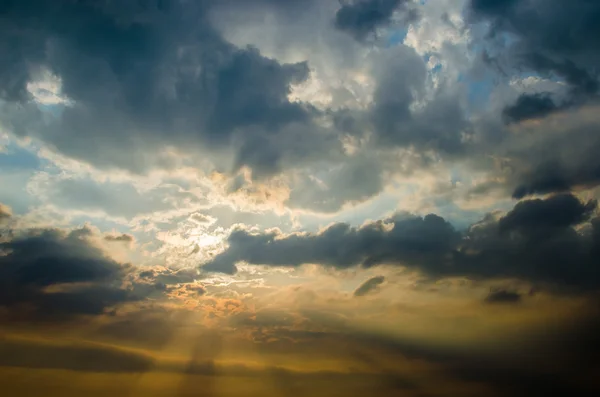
(535, 241)
(369, 286)
(560, 160)
(403, 237)
(362, 17)
(122, 238)
(402, 115)
(176, 91)
(530, 106)
(503, 296)
(163, 77)
(550, 41)
(53, 274)
(556, 212)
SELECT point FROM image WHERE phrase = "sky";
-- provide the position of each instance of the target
(299, 198)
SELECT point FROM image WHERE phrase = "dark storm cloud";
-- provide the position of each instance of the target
(405, 238)
(530, 106)
(553, 40)
(362, 17)
(557, 212)
(81, 278)
(536, 241)
(50, 257)
(142, 75)
(369, 286)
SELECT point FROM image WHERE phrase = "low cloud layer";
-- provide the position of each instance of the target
(535, 241)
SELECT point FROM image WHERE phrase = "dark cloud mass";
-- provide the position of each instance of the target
(147, 74)
(558, 42)
(530, 106)
(404, 237)
(552, 40)
(362, 17)
(401, 80)
(535, 241)
(145, 78)
(56, 274)
(554, 213)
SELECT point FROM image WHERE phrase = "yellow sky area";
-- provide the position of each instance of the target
(35, 366)
(284, 345)
(60, 383)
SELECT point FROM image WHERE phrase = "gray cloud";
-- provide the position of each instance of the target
(535, 241)
(558, 44)
(410, 239)
(162, 76)
(559, 161)
(551, 41)
(362, 17)
(122, 238)
(355, 180)
(85, 280)
(369, 286)
(557, 212)
(530, 106)
(166, 77)
(437, 125)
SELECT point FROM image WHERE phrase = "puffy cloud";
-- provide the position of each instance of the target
(163, 77)
(556, 212)
(403, 238)
(550, 41)
(535, 241)
(54, 274)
